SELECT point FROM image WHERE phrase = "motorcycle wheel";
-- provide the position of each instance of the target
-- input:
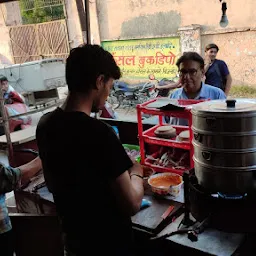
(114, 101)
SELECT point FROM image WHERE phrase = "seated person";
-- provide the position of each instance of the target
(106, 112)
(9, 94)
(14, 105)
(191, 71)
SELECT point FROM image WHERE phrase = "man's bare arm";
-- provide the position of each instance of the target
(30, 169)
(129, 190)
(171, 85)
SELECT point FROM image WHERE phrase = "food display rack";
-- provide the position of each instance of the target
(148, 136)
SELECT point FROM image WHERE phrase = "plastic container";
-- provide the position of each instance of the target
(173, 190)
(133, 147)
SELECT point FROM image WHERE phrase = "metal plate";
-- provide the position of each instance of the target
(220, 106)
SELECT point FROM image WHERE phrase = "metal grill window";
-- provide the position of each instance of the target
(31, 4)
(39, 11)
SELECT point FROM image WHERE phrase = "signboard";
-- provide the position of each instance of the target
(139, 58)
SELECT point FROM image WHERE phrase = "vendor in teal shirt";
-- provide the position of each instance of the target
(11, 179)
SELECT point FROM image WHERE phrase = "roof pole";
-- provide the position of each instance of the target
(5, 123)
(84, 18)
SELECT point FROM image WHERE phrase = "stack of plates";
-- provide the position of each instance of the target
(166, 132)
(184, 136)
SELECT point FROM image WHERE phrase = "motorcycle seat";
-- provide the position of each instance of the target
(131, 87)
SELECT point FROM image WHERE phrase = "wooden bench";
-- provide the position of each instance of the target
(20, 137)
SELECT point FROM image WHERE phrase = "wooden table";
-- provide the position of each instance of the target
(210, 242)
(22, 139)
(21, 136)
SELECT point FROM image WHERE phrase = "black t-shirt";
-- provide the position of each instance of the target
(80, 156)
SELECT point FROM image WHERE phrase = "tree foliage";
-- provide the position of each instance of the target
(40, 13)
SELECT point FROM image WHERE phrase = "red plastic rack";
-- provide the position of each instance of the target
(149, 137)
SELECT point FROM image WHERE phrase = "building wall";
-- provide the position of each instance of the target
(238, 50)
(94, 22)
(9, 15)
(129, 19)
(146, 18)
(73, 24)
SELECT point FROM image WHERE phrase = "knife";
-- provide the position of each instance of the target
(167, 212)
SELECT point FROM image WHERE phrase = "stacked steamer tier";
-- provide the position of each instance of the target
(224, 140)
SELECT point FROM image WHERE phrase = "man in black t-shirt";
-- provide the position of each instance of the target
(96, 186)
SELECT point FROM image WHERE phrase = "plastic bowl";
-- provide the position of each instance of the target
(159, 184)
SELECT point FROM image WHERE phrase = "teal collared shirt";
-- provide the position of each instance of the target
(207, 92)
(9, 180)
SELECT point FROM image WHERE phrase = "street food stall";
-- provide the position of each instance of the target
(213, 212)
(201, 219)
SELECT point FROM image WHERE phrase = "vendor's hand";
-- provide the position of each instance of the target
(137, 169)
(25, 177)
(30, 169)
(179, 84)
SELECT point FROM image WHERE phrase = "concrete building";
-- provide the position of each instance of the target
(129, 19)
(195, 22)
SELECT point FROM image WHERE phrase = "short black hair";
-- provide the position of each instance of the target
(85, 64)
(3, 78)
(190, 56)
(211, 46)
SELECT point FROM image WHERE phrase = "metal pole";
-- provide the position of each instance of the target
(6, 128)
(83, 13)
(88, 26)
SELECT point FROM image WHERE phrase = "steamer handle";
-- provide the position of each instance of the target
(197, 137)
(211, 121)
(231, 103)
(207, 155)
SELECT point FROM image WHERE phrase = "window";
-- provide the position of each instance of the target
(38, 11)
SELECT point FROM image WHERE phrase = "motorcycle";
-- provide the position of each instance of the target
(130, 94)
(163, 81)
(108, 112)
(163, 92)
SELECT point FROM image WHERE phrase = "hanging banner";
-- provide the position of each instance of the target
(139, 58)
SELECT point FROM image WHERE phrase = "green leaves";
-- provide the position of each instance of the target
(36, 11)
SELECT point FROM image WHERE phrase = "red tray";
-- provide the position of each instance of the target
(150, 137)
(158, 168)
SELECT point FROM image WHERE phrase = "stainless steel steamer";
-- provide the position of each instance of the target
(225, 144)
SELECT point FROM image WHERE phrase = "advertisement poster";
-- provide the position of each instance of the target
(139, 58)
